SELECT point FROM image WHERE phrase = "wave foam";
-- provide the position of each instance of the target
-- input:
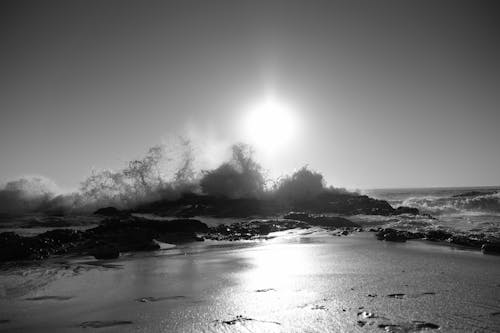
(474, 205)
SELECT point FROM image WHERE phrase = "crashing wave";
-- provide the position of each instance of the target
(488, 203)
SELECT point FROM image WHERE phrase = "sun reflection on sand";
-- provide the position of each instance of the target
(275, 280)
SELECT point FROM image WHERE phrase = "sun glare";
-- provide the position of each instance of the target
(269, 124)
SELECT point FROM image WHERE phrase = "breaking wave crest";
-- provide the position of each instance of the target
(488, 203)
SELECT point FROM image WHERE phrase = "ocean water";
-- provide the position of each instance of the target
(450, 210)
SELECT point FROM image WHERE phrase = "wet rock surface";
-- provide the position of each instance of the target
(491, 248)
(105, 241)
(322, 220)
(248, 230)
(103, 324)
(341, 203)
(106, 251)
(487, 244)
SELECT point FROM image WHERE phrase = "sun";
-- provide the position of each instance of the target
(269, 124)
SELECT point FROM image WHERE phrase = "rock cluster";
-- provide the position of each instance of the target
(322, 220)
(248, 230)
(105, 241)
(478, 241)
(340, 203)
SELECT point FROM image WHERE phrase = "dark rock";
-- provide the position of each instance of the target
(406, 210)
(342, 203)
(107, 211)
(62, 236)
(437, 235)
(106, 252)
(322, 220)
(392, 235)
(252, 229)
(345, 203)
(491, 248)
(466, 241)
(124, 234)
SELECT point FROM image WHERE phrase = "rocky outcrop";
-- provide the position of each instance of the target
(322, 220)
(255, 229)
(104, 241)
(491, 248)
(15, 247)
(392, 235)
(345, 204)
(488, 245)
(405, 210)
(106, 251)
(328, 202)
(437, 235)
(110, 211)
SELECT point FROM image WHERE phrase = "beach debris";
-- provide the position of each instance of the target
(398, 296)
(495, 313)
(361, 323)
(414, 326)
(371, 295)
(366, 315)
(105, 323)
(240, 319)
(49, 297)
(157, 299)
(318, 307)
(265, 290)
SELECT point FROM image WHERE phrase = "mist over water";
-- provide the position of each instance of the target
(164, 172)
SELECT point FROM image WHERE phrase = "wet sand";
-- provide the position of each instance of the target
(297, 282)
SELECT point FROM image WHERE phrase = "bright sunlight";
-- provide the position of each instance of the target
(269, 124)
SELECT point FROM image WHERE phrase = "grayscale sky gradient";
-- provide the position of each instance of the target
(389, 93)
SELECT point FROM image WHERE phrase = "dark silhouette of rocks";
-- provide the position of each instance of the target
(104, 241)
(108, 211)
(392, 235)
(327, 202)
(488, 245)
(322, 220)
(491, 248)
(107, 251)
(437, 235)
(406, 210)
(248, 230)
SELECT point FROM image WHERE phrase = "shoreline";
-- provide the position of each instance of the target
(299, 280)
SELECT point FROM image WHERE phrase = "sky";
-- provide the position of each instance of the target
(382, 93)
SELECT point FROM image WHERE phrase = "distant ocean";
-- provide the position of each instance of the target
(479, 213)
